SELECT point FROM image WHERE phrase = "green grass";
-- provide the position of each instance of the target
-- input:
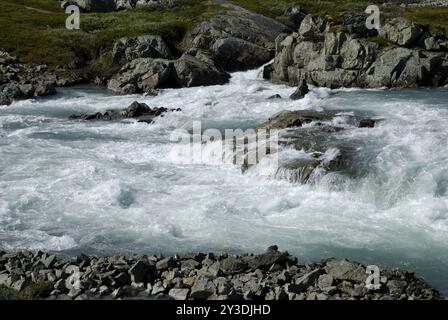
(41, 37)
(434, 18)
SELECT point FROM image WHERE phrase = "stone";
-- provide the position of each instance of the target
(402, 32)
(179, 294)
(49, 261)
(194, 68)
(118, 293)
(202, 288)
(346, 270)
(237, 39)
(138, 272)
(158, 288)
(367, 123)
(232, 265)
(301, 91)
(148, 46)
(275, 97)
(103, 291)
(325, 281)
(82, 297)
(266, 259)
(396, 286)
(309, 279)
(290, 119)
(165, 263)
(143, 75)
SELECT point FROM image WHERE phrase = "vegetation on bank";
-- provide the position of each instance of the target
(34, 30)
(433, 17)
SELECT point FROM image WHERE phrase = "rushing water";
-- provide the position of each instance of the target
(108, 187)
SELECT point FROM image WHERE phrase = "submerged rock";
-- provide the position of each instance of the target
(290, 119)
(139, 111)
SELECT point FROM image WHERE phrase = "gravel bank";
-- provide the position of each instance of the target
(273, 275)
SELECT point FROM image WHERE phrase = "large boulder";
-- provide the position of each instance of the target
(148, 46)
(238, 39)
(402, 32)
(144, 75)
(195, 68)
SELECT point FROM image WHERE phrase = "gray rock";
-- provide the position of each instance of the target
(195, 68)
(143, 75)
(325, 281)
(346, 270)
(165, 263)
(149, 46)
(291, 119)
(232, 265)
(301, 91)
(202, 288)
(179, 294)
(402, 32)
(238, 39)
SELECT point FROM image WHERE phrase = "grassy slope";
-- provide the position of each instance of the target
(41, 37)
(435, 18)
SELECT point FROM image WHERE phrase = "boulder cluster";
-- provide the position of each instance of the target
(230, 41)
(21, 81)
(401, 54)
(273, 275)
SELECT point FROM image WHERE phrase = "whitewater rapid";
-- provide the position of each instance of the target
(118, 187)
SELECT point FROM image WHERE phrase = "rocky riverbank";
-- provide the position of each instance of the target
(273, 275)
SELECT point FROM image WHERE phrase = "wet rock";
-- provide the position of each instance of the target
(290, 119)
(144, 75)
(367, 123)
(195, 68)
(301, 91)
(275, 97)
(139, 111)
